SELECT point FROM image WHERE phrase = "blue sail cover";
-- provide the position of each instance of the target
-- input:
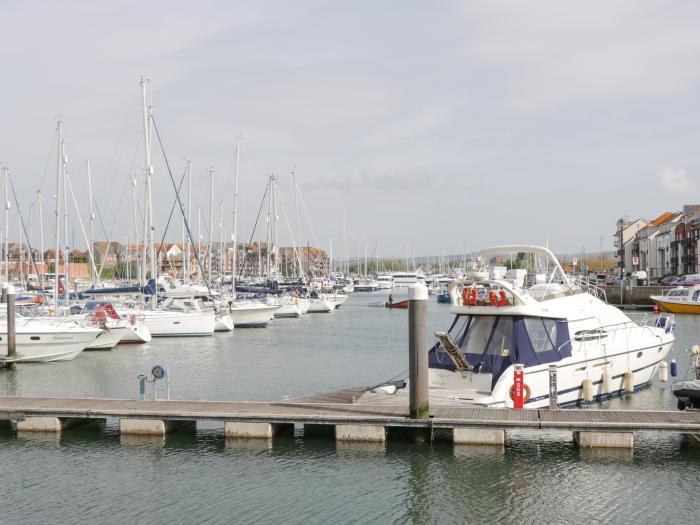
(493, 343)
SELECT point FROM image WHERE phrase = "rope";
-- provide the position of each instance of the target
(31, 252)
(179, 201)
(255, 226)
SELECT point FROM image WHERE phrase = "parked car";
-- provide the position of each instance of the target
(668, 280)
(613, 280)
(687, 280)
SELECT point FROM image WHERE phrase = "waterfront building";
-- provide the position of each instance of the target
(651, 259)
(626, 243)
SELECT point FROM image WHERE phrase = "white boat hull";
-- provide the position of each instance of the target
(162, 323)
(321, 306)
(288, 310)
(641, 356)
(136, 333)
(252, 314)
(224, 323)
(107, 340)
(41, 344)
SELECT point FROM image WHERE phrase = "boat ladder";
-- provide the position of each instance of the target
(454, 352)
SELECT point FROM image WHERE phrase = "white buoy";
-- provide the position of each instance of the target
(628, 382)
(607, 382)
(663, 371)
(587, 385)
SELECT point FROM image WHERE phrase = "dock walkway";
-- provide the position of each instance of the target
(353, 421)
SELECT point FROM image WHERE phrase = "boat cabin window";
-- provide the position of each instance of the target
(679, 293)
(543, 333)
(501, 341)
(590, 335)
(492, 343)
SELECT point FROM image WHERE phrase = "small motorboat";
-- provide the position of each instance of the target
(688, 391)
(444, 297)
(401, 304)
(679, 300)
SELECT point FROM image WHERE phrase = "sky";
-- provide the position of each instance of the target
(429, 127)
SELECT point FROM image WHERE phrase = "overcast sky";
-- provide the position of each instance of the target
(448, 125)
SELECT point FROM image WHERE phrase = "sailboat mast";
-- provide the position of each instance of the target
(93, 275)
(221, 240)
(59, 170)
(269, 225)
(149, 192)
(189, 217)
(211, 219)
(234, 263)
(199, 234)
(296, 213)
(6, 172)
(65, 222)
(136, 228)
(41, 240)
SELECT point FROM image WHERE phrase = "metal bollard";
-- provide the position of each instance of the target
(553, 390)
(142, 387)
(418, 355)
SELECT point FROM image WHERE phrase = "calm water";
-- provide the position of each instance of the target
(91, 474)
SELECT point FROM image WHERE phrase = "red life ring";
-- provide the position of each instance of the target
(526, 390)
(469, 296)
(500, 300)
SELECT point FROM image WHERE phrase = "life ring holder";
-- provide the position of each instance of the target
(526, 390)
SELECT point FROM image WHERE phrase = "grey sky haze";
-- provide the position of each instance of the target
(451, 125)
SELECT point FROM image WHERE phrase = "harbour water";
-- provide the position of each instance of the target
(91, 474)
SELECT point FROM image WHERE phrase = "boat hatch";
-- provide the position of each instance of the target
(492, 343)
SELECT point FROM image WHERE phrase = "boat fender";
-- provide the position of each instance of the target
(674, 368)
(385, 389)
(526, 392)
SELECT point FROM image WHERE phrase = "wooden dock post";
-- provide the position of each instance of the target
(11, 339)
(418, 356)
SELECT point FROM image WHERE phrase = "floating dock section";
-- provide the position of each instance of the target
(342, 418)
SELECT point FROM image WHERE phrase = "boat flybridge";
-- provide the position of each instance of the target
(546, 318)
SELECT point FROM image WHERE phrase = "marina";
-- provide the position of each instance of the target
(349, 263)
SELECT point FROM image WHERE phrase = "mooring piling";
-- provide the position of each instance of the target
(418, 355)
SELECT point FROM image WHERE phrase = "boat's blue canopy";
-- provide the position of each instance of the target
(492, 343)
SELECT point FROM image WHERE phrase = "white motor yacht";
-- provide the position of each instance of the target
(558, 322)
(385, 281)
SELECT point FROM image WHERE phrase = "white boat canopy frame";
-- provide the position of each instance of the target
(527, 248)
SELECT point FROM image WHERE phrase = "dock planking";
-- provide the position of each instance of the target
(337, 408)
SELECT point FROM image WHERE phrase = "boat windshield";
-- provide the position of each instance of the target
(493, 343)
(678, 293)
